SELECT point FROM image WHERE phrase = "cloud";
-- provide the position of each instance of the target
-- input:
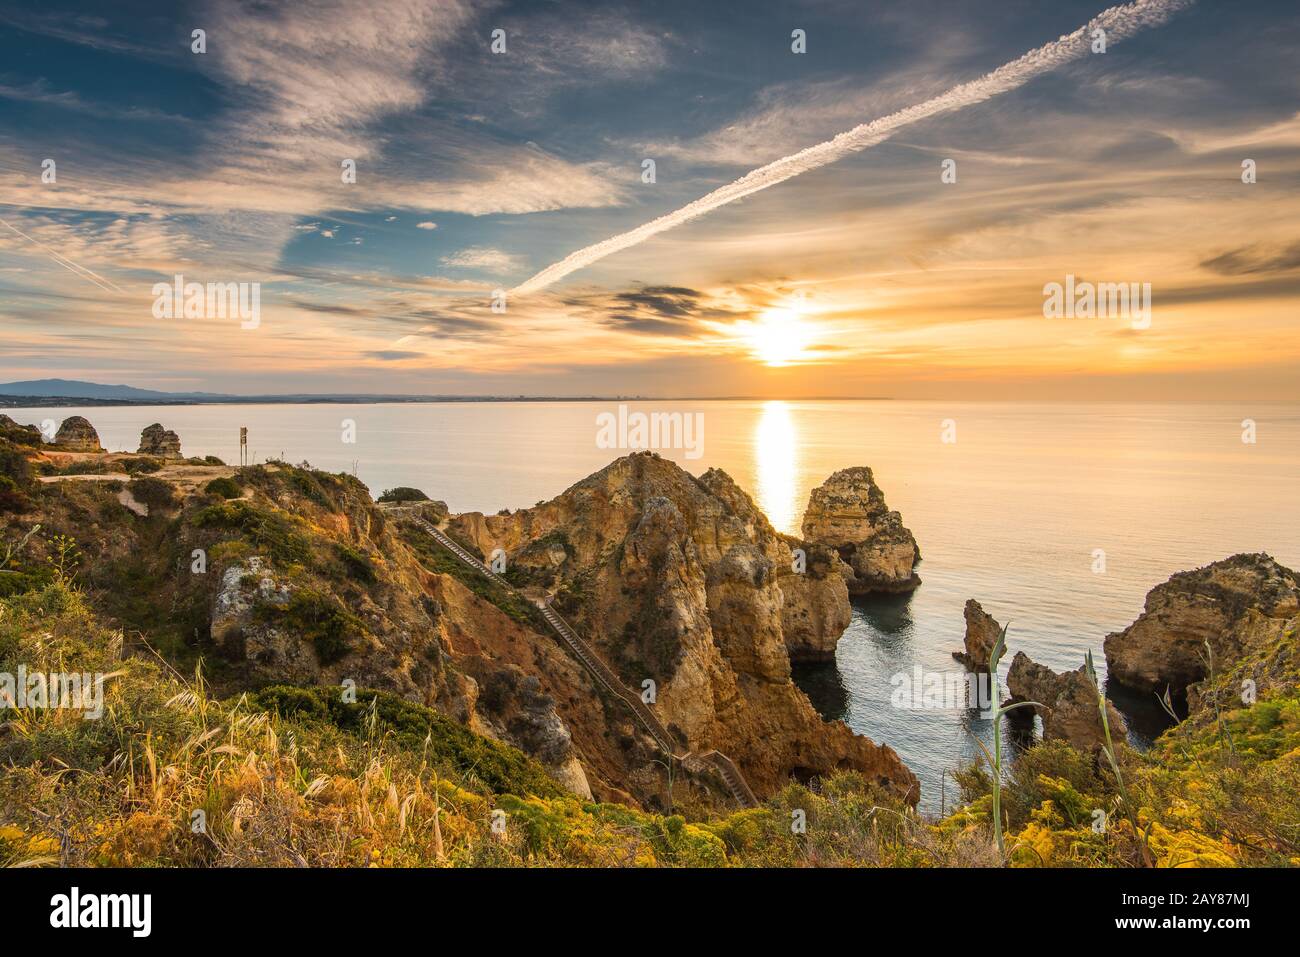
(1248, 260)
(1119, 22)
(481, 257)
(426, 225)
(393, 355)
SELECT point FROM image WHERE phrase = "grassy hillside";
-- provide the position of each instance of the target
(183, 771)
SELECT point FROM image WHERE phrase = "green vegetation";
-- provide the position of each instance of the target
(274, 532)
(141, 466)
(356, 564)
(289, 775)
(438, 560)
(155, 493)
(224, 487)
(317, 618)
(402, 494)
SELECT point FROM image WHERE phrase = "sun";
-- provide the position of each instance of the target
(779, 337)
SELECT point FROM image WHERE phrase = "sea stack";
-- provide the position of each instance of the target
(1067, 703)
(155, 440)
(848, 513)
(76, 434)
(982, 631)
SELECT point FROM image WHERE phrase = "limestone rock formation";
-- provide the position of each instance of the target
(1165, 646)
(155, 440)
(235, 626)
(515, 706)
(982, 632)
(10, 430)
(76, 434)
(816, 608)
(682, 581)
(848, 513)
(1069, 704)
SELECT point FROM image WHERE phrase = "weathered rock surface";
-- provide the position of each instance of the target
(516, 707)
(76, 434)
(816, 608)
(28, 435)
(683, 581)
(982, 633)
(1166, 646)
(1068, 704)
(246, 586)
(155, 440)
(848, 513)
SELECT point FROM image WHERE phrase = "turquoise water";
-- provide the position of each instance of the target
(1010, 513)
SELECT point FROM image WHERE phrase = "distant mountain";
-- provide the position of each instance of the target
(76, 389)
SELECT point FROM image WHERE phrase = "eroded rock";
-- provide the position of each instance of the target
(682, 581)
(982, 633)
(1067, 704)
(848, 513)
(1166, 646)
(76, 434)
(164, 443)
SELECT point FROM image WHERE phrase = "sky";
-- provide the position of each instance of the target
(480, 167)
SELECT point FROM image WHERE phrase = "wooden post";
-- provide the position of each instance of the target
(243, 445)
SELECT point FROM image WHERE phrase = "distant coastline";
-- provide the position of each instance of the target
(59, 393)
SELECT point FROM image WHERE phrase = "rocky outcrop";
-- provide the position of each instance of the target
(27, 435)
(76, 434)
(164, 443)
(848, 513)
(239, 631)
(1166, 646)
(815, 610)
(982, 633)
(1067, 704)
(684, 583)
(515, 704)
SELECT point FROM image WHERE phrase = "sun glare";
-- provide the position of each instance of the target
(779, 337)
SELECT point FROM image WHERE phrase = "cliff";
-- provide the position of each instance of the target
(684, 587)
(1194, 619)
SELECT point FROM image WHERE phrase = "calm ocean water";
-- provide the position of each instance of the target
(1010, 513)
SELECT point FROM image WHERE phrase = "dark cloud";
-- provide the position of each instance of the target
(1247, 260)
(668, 301)
(393, 355)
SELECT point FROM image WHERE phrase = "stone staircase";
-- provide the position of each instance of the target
(605, 677)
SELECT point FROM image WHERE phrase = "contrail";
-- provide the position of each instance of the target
(105, 284)
(1118, 22)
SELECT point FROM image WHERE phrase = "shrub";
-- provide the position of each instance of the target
(402, 494)
(318, 618)
(155, 493)
(270, 531)
(223, 487)
(356, 564)
(141, 466)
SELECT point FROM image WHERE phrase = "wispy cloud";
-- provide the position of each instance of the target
(1118, 22)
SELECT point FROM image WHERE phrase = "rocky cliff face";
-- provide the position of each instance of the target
(1068, 704)
(682, 585)
(816, 609)
(848, 513)
(76, 434)
(982, 633)
(1166, 646)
